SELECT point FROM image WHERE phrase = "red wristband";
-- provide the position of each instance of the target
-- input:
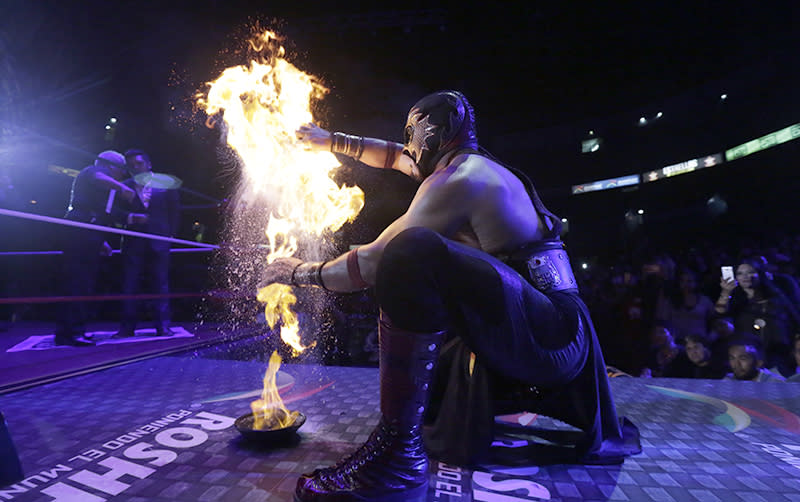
(354, 271)
(391, 153)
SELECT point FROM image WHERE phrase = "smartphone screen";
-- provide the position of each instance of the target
(727, 273)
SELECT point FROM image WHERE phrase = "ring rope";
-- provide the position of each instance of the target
(105, 298)
(113, 251)
(101, 228)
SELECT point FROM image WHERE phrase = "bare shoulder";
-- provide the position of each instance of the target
(468, 171)
(474, 163)
(454, 189)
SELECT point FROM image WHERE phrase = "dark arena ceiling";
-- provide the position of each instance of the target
(539, 74)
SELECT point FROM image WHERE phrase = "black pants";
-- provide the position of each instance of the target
(81, 263)
(143, 263)
(428, 283)
(518, 335)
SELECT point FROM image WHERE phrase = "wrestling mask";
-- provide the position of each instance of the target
(438, 124)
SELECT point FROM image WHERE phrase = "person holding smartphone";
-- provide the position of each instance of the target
(726, 284)
(760, 307)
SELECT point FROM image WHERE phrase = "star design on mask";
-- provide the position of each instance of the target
(422, 131)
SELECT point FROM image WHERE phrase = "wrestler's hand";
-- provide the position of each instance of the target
(279, 271)
(314, 137)
(105, 249)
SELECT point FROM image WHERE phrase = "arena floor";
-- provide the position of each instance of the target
(161, 429)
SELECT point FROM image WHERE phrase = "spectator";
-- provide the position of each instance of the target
(757, 305)
(666, 358)
(686, 309)
(703, 365)
(746, 360)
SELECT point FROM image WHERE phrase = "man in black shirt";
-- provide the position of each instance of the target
(91, 201)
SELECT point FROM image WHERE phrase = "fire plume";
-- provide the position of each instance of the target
(259, 106)
(262, 105)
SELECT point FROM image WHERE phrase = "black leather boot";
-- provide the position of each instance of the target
(392, 465)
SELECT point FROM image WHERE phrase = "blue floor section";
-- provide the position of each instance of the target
(162, 430)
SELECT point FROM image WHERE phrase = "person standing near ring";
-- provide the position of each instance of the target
(156, 211)
(92, 200)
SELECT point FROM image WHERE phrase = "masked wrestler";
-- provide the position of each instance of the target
(479, 311)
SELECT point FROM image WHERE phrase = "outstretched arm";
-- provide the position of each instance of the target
(432, 208)
(374, 152)
(352, 271)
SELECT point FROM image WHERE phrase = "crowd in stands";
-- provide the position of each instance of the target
(671, 313)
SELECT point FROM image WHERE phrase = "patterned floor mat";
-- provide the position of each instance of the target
(163, 430)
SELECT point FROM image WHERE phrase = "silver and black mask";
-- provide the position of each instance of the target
(438, 124)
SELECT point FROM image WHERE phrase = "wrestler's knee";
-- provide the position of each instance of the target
(411, 251)
(410, 257)
(407, 282)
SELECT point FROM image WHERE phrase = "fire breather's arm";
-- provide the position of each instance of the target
(352, 271)
(356, 269)
(341, 275)
(308, 273)
(432, 208)
(373, 152)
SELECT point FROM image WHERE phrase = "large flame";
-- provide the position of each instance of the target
(269, 412)
(262, 106)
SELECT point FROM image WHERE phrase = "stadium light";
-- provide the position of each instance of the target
(591, 143)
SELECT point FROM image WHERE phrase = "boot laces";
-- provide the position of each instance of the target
(344, 474)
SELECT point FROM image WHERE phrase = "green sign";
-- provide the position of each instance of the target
(764, 142)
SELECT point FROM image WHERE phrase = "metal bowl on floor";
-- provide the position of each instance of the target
(244, 425)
